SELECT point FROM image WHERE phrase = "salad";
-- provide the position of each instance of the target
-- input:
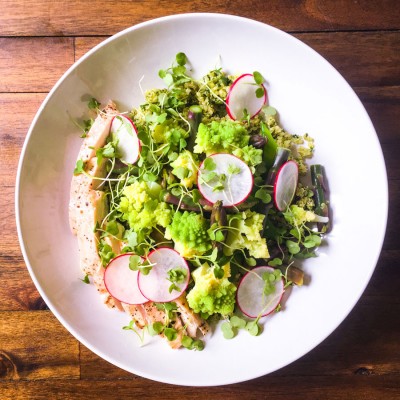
(192, 207)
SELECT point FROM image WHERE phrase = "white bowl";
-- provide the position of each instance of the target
(311, 96)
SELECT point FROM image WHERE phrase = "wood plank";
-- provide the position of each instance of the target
(269, 387)
(17, 110)
(33, 64)
(43, 18)
(363, 58)
(34, 345)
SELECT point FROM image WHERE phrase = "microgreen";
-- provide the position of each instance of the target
(258, 78)
(86, 279)
(263, 195)
(79, 167)
(209, 164)
(176, 275)
(93, 104)
(170, 333)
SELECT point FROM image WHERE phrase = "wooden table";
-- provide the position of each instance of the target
(39, 40)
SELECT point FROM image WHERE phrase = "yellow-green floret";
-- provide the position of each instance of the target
(188, 230)
(211, 295)
(245, 234)
(185, 167)
(141, 209)
(220, 137)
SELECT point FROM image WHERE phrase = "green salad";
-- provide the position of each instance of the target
(193, 208)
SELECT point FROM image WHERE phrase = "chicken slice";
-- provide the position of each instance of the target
(191, 320)
(98, 133)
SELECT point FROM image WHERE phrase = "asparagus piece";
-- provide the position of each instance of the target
(195, 115)
(218, 216)
(318, 180)
(171, 199)
(270, 148)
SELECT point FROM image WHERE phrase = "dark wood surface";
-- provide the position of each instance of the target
(39, 40)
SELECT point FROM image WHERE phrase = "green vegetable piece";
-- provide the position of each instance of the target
(260, 93)
(237, 322)
(198, 345)
(155, 328)
(253, 328)
(187, 342)
(270, 148)
(181, 58)
(227, 330)
(93, 104)
(79, 168)
(293, 247)
(209, 164)
(263, 195)
(86, 279)
(258, 78)
(275, 262)
(134, 262)
(170, 333)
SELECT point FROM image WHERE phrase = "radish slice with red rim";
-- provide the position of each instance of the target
(124, 131)
(121, 281)
(225, 177)
(242, 96)
(168, 277)
(285, 185)
(251, 297)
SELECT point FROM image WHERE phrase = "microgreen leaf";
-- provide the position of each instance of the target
(263, 195)
(79, 167)
(93, 104)
(253, 328)
(233, 169)
(218, 272)
(259, 92)
(293, 247)
(86, 279)
(181, 58)
(134, 262)
(275, 262)
(209, 164)
(170, 333)
(237, 322)
(227, 330)
(258, 78)
(187, 342)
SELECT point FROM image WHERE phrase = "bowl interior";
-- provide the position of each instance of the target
(310, 96)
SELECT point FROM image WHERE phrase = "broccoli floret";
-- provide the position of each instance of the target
(211, 295)
(219, 137)
(141, 209)
(185, 168)
(246, 234)
(188, 230)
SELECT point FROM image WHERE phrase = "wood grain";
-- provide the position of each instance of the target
(102, 17)
(268, 388)
(34, 345)
(33, 64)
(39, 359)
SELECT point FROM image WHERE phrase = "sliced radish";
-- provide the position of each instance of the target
(242, 96)
(285, 185)
(124, 130)
(250, 294)
(121, 281)
(231, 188)
(156, 286)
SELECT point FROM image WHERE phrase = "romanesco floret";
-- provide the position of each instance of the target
(246, 234)
(222, 136)
(250, 155)
(141, 209)
(188, 230)
(170, 133)
(298, 216)
(211, 295)
(186, 165)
